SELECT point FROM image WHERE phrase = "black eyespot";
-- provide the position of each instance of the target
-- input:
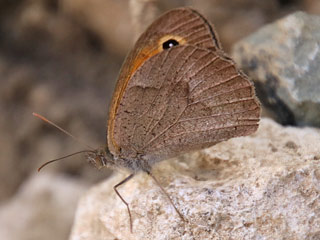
(169, 44)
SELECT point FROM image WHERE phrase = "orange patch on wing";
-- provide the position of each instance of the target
(141, 58)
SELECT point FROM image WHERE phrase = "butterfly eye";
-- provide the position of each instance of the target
(169, 44)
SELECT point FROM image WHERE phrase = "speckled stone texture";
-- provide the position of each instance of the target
(265, 186)
(283, 59)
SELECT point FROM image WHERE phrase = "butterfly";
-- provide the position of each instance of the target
(177, 92)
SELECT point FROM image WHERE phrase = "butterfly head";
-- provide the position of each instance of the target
(101, 158)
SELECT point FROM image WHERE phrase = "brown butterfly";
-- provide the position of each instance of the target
(177, 92)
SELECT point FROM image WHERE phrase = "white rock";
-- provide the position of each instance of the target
(261, 187)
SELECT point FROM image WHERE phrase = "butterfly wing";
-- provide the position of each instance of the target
(181, 99)
(184, 24)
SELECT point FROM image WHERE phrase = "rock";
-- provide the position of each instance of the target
(266, 186)
(43, 208)
(283, 59)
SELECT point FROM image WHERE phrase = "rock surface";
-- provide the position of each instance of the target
(283, 59)
(266, 186)
(43, 208)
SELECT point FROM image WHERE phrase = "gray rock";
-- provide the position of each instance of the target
(266, 186)
(283, 59)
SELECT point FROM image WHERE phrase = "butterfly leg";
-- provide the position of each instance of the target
(122, 199)
(166, 194)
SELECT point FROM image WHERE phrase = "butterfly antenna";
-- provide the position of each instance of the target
(61, 129)
(58, 159)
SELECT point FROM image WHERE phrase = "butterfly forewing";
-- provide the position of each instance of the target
(182, 99)
(186, 23)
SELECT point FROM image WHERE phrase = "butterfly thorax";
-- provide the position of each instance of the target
(102, 157)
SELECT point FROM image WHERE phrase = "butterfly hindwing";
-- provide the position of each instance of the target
(182, 99)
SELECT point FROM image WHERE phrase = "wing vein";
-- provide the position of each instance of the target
(215, 72)
(206, 65)
(207, 35)
(220, 94)
(191, 53)
(155, 137)
(194, 19)
(191, 33)
(217, 115)
(216, 85)
(173, 124)
(149, 109)
(212, 129)
(145, 112)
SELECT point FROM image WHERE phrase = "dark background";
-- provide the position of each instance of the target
(61, 59)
